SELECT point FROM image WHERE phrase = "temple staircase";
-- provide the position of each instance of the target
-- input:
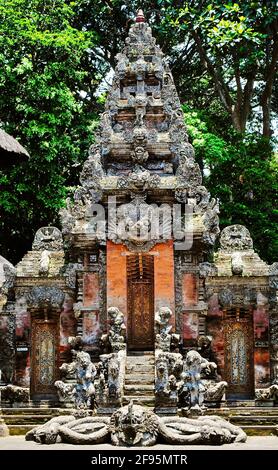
(139, 379)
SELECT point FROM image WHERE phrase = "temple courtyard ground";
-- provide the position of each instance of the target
(252, 443)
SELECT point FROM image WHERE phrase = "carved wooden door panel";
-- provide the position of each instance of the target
(239, 362)
(141, 316)
(44, 359)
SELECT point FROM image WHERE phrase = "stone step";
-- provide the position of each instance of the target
(143, 400)
(33, 411)
(260, 430)
(140, 363)
(139, 368)
(256, 420)
(140, 353)
(139, 387)
(273, 411)
(26, 419)
(21, 430)
(140, 379)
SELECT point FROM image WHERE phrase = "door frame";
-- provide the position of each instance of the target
(50, 392)
(245, 325)
(132, 280)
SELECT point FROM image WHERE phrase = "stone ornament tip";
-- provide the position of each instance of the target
(140, 17)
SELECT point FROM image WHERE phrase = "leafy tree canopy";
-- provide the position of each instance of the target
(54, 56)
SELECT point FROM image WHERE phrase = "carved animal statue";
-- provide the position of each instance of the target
(65, 390)
(214, 391)
(162, 376)
(270, 393)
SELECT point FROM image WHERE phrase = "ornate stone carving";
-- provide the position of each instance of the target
(273, 276)
(40, 296)
(139, 155)
(211, 224)
(48, 238)
(83, 389)
(136, 224)
(235, 238)
(117, 329)
(92, 170)
(163, 328)
(111, 379)
(207, 269)
(70, 273)
(9, 275)
(14, 394)
(139, 180)
(168, 368)
(134, 425)
(7, 348)
(265, 394)
(237, 263)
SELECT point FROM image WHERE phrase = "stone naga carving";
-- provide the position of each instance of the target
(48, 238)
(116, 335)
(84, 372)
(134, 425)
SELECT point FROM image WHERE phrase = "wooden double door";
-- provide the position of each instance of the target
(239, 360)
(140, 299)
(44, 358)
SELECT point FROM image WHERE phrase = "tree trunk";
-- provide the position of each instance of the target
(267, 92)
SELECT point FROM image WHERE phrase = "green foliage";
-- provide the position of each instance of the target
(41, 78)
(242, 174)
(55, 53)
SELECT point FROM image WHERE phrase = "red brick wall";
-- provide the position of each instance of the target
(262, 371)
(90, 290)
(190, 327)
(189, 289)
(116, 276)
(216, 330)
(164, 283)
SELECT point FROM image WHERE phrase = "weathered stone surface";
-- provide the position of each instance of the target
(134, 425)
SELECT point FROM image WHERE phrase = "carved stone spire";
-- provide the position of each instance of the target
(142, 142)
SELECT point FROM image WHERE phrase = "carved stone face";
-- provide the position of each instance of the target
(236, 238)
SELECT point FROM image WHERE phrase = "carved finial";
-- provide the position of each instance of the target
(140, 17)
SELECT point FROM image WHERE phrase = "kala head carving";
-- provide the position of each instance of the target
(48, 238)
(235, 238)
